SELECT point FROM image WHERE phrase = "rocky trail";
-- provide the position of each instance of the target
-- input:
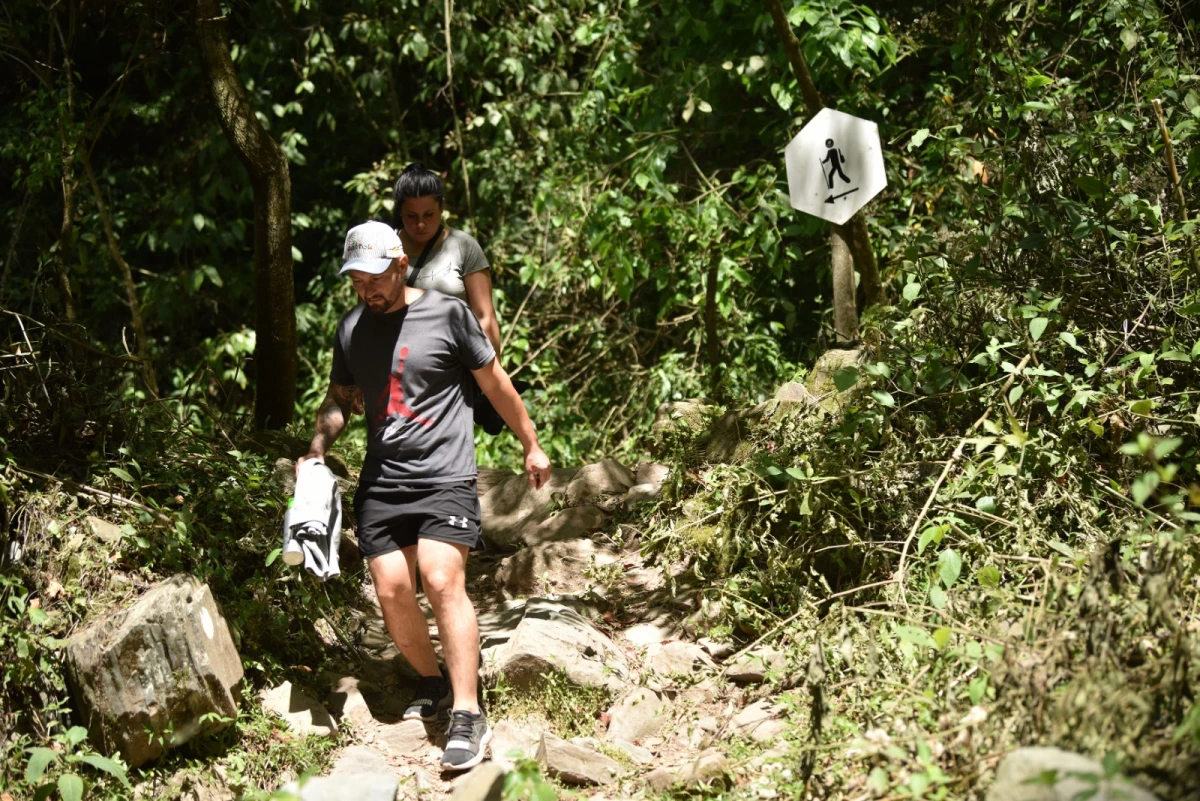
(594, 666)
(615, 699)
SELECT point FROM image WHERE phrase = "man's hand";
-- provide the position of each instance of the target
(537, 467)
(356, 407)
(306, 457)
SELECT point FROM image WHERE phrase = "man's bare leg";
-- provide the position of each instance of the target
(444, 575)
(395, 577)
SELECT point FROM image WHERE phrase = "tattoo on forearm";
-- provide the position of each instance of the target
(332, 414)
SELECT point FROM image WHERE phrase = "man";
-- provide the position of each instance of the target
(409, 352)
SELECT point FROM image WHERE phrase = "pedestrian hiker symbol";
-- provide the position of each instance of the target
(835, 160)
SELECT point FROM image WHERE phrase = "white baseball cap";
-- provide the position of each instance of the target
(370, 248)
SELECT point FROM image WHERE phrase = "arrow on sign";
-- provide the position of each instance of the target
(832, 198)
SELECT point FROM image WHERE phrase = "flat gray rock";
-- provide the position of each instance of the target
(360, 787)
(759, 721)
(1019, 778)
(304, 714)
(360, 759)
(573, 763)
(405, 737)
(483, 783)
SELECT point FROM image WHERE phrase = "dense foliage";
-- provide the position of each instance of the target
(1005, 514)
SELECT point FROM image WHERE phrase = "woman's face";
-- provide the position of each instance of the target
(420, 217)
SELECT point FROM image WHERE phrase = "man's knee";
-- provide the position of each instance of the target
(443, 580)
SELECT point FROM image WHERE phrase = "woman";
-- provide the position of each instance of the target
(453, 262)
(447, 260)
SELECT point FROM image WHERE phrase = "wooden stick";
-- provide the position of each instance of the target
(1174, 173)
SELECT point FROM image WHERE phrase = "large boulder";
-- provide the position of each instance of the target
(677, 419)
(572, 504)
(1052, 774)
(555, 567)
(143, 678)
(512, 507)
(551, 637)
(821, 383)
(708, 768)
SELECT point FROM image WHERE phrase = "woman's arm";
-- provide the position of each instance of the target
(479, 298)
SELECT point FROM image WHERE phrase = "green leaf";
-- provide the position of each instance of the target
(1142, 407)
(941, 636)
(39, 759)
(1091, 184)
(916, 636)
(273, 555)
(977, 688)
(1015, 394)
(124, 475)
(1129, 38)
(1037, 80)
(988, 577)
(1144, 486)
(37, 617)
(1165, 447)
(70, 787)
(198, 221)
(845, 378)
(987, 503)
(938, 597)
(107, 765)
(918, 138)
(1037, 327)
(912, 291)
(1062, 548)
(949, 567)
(76, 735)
(884, 398)
(797, 473)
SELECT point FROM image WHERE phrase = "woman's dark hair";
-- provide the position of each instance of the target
(417, 181)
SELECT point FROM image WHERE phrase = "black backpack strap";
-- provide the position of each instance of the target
(429, 246)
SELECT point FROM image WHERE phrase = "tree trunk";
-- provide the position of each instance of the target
(845, 312)
(274, 294)
(710, 327)
(856, 235)
(131, 296)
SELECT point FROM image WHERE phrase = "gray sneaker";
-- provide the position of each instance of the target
(466, 740)
(432, 693)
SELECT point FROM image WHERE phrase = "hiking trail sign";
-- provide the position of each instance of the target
(834, 166)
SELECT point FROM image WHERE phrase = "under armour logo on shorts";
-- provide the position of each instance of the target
(457, 522)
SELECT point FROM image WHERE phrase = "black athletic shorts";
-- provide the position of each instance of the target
(391, 518)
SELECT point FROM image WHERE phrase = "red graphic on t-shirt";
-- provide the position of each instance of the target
(395, 397)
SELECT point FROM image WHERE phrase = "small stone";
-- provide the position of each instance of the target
(639, 713)
(483, 783)
(641, 635)
(676, 658)
(709, 767)
(106, 532)
(575, 764)
(360, 787)
(754, 666)
(641, 493)
(360, 759)
(651, 473)
(717, 650)
(405, 737)
(708, 724)
(304, 715)
(512, 740)
(636, 754)
(759, 721)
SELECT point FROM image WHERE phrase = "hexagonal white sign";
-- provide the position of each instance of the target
(834, 166)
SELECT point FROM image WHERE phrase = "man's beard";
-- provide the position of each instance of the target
(381, 303)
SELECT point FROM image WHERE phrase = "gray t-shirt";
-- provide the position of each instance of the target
(413, 368)
(449, 264)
